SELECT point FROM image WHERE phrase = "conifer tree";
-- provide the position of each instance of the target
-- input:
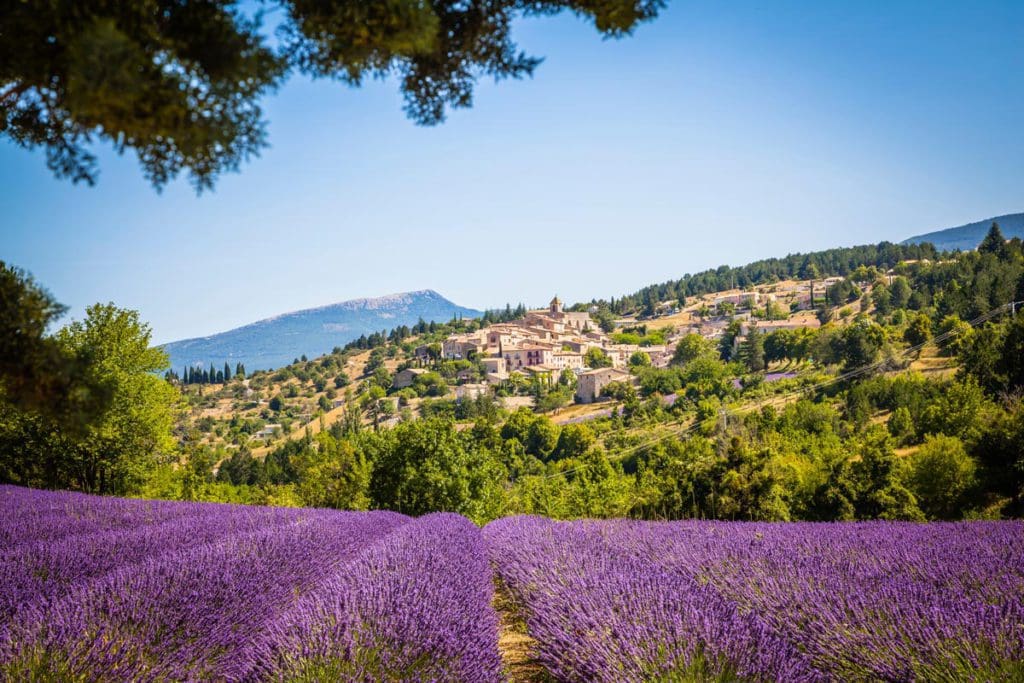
(994, 242)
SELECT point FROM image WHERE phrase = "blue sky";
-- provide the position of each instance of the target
(720, 133)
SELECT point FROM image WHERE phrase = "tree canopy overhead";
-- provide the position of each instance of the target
(179, 83)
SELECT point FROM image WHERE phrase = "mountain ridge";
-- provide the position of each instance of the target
(968, 236)
(276, 340)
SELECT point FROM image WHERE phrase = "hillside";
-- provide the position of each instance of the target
(276, 341)
(753, 402)
(967, 237)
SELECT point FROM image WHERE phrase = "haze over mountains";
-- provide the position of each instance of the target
(967, 237)
(276, 341)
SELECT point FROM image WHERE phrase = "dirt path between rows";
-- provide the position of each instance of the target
(517, 648)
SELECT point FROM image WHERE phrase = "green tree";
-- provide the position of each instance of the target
(981, 357)
(878, 478)
(376, 405)
(956, 411)
(942, 474)
(554, 398)
(573, 441)
(517, 426)
(809, 270)
(901, 426)
(116, 450)
(752, 350)
(38, 374)
(179, 83)
(1011, 362)
(919, 331)
(994, 242)
(430, 384)
(881, 297)
(691, 347)
(428, 466)
(1000, 452)
(727, 344)
(859, 344)
(956, 335)
(900, 292)
(639, 359)
(595, 357)
(542, 437)
(334, 475)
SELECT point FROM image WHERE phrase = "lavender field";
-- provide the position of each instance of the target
(693, 601)
(102, 589)
(105, 589)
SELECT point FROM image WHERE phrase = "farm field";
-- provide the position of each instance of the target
(107, 589)
(102, 589)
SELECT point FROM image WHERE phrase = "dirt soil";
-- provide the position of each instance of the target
(517, 648)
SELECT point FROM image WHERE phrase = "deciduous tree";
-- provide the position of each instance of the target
(179, 83)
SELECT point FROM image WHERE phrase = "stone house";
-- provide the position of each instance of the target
(406, 377)
(591, 383)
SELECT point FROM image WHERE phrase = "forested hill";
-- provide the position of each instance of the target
(967, 237)
(277, 341)
(840, 261)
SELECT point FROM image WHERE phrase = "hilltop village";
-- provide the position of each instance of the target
(546, 343)
(543, 344)
(543, 359)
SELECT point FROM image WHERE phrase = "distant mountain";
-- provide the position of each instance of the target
(277, 341)
(967, 237)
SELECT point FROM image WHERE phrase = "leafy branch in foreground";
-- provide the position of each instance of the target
(180, 83)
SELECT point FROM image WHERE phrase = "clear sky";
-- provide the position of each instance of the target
(720, 133)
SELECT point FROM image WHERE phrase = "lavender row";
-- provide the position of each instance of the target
(39, 571)
(875, 601)
(126, 591)
(414, 607)
(599, 613)
(28, 515)
(189, 615)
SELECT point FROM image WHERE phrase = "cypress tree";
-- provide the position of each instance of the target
(227, 372)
